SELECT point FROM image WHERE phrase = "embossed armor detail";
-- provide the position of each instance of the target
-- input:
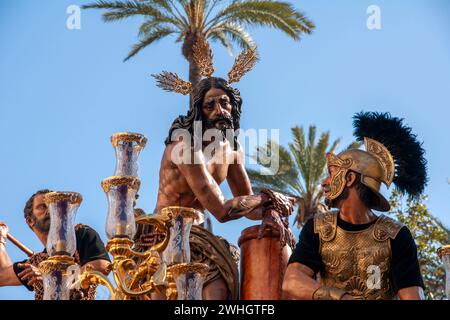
(357, 261)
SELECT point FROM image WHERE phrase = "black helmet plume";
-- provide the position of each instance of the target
(407, 151)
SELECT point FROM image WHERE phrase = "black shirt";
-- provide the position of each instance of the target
(89, 247)
(405, 270)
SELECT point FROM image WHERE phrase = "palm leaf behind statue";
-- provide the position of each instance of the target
(299, 170)
(214, 20)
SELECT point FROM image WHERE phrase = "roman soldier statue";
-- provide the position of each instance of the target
(353, 253)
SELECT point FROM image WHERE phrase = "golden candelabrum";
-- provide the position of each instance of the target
(165, 267)
(61, 245)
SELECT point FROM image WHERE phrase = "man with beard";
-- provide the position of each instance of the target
(352, 253)
(194, 183)
(90, 250)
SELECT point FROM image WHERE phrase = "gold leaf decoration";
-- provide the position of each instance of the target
(203, 57)
(244, 62)
(169, 81)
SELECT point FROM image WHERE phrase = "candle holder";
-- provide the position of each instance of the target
(120, 192)
(132, 280)
(56, 277)
(178, 249)
(189, 279)
(61, 244)
(136, 275)
(444, 254)
(127, 146)
(184, 279)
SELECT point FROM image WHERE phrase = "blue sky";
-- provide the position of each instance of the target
(64, 92)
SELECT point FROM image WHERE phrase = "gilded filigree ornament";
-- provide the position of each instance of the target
(130, 181)
(169, 81)
(326, 225)
(384, 157)
(200, 268)
(140, 139)
(203, 57)
(386, 228)
(130, 277)
(244, 63)
(184, 212)
(71, 197)
(56, 263)
(338, 180)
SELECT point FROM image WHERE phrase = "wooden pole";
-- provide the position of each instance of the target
(20, 245)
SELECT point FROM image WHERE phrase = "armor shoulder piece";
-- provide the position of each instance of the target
(325, 225)
(386, 228)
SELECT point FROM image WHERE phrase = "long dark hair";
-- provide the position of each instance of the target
(195, 112)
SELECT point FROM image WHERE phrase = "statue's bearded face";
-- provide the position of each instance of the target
(217, 110)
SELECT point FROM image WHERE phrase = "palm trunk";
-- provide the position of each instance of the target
(188, 53)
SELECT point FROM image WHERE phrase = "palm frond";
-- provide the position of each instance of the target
(120, 10)
(235, 33)
(150, 37)
(319, 159)
(277, 14)
(101, 4)
(309, 156)
(171, 8)
(152, 24)
(300, 170)
(223, 39)
(211, 4)
(297, 148)
(285, 177)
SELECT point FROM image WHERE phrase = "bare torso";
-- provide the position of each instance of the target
(174, 189)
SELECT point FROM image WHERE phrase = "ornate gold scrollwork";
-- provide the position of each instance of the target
(130, 181)
(338, 180)
(72, 197)
(128, 276)
(140, 139)
(56, 263)
(384, 157)
(174, 211)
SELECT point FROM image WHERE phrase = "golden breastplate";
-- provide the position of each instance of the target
(357, 261)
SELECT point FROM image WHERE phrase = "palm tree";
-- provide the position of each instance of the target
(299, 172)
(189, 20)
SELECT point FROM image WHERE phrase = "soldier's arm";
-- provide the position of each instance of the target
(298, 282)
(411, 293)
(305, 261)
